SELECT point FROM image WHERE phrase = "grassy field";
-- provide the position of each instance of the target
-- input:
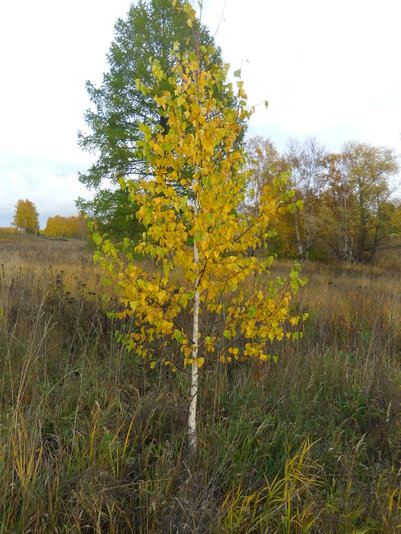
(92, 440)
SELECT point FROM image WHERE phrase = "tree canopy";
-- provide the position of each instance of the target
(344, 205)
(195, 232)
(151, 29)
(26, 217)
(58, 226)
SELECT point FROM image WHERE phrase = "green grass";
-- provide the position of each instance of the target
(92, 440)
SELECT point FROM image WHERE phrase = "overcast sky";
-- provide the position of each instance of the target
(328, 68)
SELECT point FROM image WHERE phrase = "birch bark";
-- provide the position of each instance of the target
(192, 434)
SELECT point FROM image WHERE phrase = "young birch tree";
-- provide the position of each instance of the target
(197, 237)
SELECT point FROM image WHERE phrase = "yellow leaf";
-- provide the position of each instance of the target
(200, 362)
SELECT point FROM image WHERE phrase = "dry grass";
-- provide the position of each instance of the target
(91, 440)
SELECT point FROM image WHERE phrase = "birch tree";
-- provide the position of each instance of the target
(307, 162)
(196, 235)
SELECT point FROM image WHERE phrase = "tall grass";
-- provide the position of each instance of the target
(92, 440)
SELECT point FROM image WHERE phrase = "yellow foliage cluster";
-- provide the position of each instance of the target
(9, 230)
(26, 216)
(191, 202)
(59, 226)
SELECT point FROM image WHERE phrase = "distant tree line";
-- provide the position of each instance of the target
(345, 206)
(26, 219)
(74, 227)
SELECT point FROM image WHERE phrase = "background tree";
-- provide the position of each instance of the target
(338, 217)
(150, 30)
(368, 171)
(307, 179)
(265, 165)
(113, 212)
(26, 217)
(396, 219)
(356, 210)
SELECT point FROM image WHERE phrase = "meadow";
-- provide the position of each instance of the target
(93, 440)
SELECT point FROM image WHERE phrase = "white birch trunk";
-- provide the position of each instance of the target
(297, 235)
(192, 434)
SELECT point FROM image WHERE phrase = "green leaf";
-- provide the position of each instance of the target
(178, 336)
(97, 256)
(122, 182)
(251, 311)
(97, 239)
(237, 73)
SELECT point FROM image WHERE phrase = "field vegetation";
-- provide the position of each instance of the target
(93, 440)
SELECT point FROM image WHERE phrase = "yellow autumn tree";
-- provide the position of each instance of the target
(199, 240)
(26, 216)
